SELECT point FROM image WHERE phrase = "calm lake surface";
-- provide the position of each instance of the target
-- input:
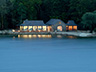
(47, 54)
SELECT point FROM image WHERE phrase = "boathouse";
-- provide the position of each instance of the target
(34, 26)
(57, 25)
(71, 25)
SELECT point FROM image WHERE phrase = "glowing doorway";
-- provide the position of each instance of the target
(59, 28)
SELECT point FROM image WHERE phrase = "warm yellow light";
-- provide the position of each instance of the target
(18, 30)
(70, 27)
(21, 27)
(44, 28)
(25, 36)
(49, 36)
(13, 30)
(19, 36)
(39, 28)
(35, 28)
(49, 28)
(74, 27)
(59, 22)
(34, 36)
(59, 28)
(30, 28)
(30, 36)
(43, 36)
(39, 36)
(25, 28)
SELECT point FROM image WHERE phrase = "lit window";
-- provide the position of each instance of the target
(39, 28)
(74, 27)
(35, 28)
(59, 28)
(30, 28)
(21, 27)
(25, 28)
(70, 27)
(49, 28)
(44, 28)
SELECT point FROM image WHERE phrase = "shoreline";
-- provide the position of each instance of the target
(77, 34)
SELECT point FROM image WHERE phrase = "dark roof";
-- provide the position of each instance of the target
(53, 21)
(33, 23)
(71, 23)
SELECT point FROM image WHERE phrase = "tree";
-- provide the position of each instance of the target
(3, 11)
(89, 20)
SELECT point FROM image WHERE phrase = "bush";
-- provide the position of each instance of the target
(95, 29)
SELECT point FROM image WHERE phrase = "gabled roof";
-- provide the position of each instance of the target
(71, 23)
(33, 23)
(53, 21)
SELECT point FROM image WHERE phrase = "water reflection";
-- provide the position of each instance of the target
(45, 36)
(59, 36)
(71, 37)
(34, 36)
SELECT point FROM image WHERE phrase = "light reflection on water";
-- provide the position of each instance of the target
(34, 36)
(45, 36)
(47, 55)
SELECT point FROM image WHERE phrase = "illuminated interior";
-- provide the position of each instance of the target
(70, 27)
(44, 28)
(59, 28)
(21, 28)
(49, 28)
(74, 27)
(34, 28)
(30, 28)
(39, 28)
(25, 28)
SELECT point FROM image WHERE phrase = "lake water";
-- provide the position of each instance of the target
(47, 54)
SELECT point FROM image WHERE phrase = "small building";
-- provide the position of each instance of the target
(34, 26)
(52, 25)
(71, 25)
(57, 25)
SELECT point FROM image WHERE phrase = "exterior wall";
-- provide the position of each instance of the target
(54, 27)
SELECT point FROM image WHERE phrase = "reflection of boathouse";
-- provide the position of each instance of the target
(52, 25)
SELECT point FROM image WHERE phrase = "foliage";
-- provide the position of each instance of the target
(13, 12)
(95, 29)
(89, 20)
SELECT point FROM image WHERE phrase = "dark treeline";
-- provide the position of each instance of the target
(13, 12)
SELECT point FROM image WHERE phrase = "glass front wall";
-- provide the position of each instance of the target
(44, 28)
(25, 28)
(30, 28)
(39, 28)
(34, 28)
(21, 28)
